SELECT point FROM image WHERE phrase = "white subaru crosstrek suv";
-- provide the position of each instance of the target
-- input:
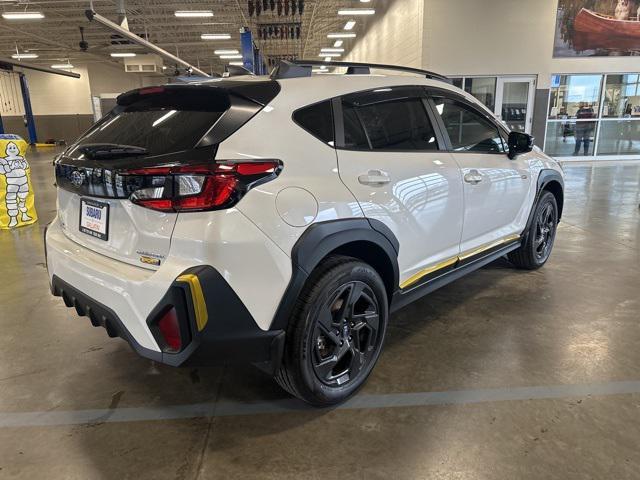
(280, 220)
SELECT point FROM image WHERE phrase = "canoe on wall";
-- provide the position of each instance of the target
(588, 21)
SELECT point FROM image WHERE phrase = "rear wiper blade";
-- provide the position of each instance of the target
(111, 150)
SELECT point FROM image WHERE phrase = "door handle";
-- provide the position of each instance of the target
(473, 177)
(374, 177)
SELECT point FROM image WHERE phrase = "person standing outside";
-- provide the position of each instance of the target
(584, 129)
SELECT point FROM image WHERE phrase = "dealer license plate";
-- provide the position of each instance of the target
(94, 218)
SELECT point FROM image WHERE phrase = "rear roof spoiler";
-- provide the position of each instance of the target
(302, 68)
(260, 91)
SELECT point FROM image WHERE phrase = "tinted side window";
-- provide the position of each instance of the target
(354, 136)
(469, 131)
(394, 124)
(317, 120)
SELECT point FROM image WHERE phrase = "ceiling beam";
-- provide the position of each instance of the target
(6, 62)
(91, 15)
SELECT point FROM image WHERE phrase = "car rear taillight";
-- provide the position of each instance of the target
(199, 187)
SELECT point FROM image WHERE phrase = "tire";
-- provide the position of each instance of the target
(336, 333)
(538, 241)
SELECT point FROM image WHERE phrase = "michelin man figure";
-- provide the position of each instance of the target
(14, 167)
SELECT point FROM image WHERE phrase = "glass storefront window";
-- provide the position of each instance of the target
(622, 96)
(457, 82)
(619, 137)
(570, 138)
(594, 115)
(483, 88)
(575, 96)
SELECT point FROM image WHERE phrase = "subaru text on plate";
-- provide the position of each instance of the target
(279, 220)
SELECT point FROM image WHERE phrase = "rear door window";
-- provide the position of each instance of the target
(387, 119)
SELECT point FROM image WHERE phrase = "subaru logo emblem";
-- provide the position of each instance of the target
(77, 178)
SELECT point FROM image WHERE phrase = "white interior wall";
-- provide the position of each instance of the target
(474, 37)
(393, 36)
(10, 94)
(59, 95)
(111, 78)
(471, 37)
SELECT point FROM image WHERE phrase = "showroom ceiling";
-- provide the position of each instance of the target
(283, 32)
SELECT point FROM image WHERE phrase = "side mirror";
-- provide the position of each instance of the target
(519, 143)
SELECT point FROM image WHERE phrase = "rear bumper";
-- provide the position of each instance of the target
(127, 300)
(99, 314)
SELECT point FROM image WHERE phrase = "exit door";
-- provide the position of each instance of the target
(514, 102)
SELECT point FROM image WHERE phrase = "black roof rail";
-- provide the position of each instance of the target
(302, 68)
(287, 69)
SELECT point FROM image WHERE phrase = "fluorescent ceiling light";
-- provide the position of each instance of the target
(215, 36)
(62, 66)
(327, 54)
(332, 50)
(338, 43)
(20, 56)
(230, 57)
(341, 35)
(365, 1)
(193, 13)
(22, 15)
(356, 11)
(122, 54)
(237, 64)
(231, 51)
(327, 59)
(349, 25)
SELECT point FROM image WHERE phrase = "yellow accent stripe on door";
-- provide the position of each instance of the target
(197, 297)
(487, 246)
(423, 273)
(453, 260)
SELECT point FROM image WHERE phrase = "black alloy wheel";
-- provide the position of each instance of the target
(538, 240)
(336, 332)
(345, 334)
(545, 232)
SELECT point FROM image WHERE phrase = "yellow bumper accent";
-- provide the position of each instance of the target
(199, 305)
(453, 260)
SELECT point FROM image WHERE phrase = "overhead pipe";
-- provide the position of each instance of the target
(122, 14)
(91, 15)
(55, 71)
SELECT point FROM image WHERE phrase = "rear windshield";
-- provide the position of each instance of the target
(161, 123)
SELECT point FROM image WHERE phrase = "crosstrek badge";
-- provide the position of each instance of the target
(150, 260)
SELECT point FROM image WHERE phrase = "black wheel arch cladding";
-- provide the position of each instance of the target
(366, 239)
(550, 180)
